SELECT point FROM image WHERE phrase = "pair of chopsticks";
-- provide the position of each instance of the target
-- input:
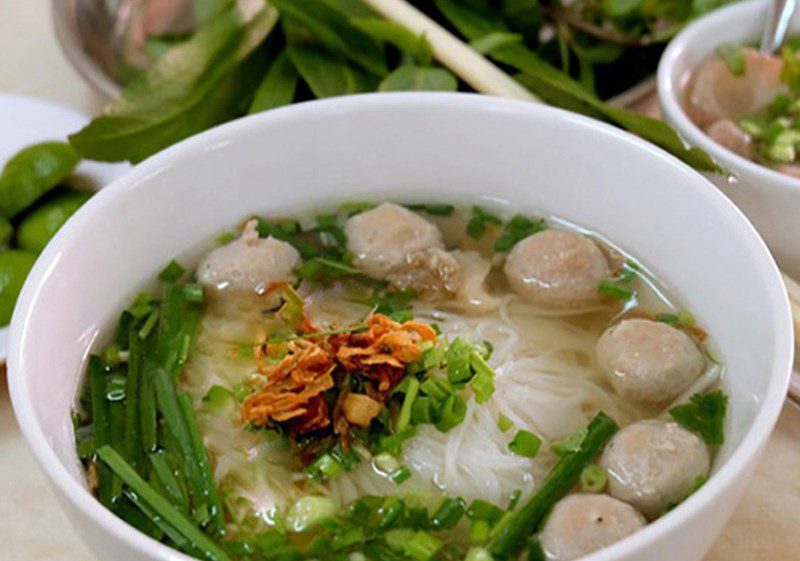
(485, 77)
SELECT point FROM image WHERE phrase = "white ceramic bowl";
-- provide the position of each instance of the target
(445, 147)
(771, 200)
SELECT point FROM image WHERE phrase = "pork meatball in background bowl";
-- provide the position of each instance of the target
(427, 148)
(769, 198)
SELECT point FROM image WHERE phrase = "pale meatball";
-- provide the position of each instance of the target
(714, 93)
(582, 523)
(249, 264)
(729, 135)
(383, 238)
(648, 361)
(653, 463)
(557, 269)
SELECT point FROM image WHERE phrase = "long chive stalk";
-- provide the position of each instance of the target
(161, 509)
(147, 407)
(175, 422)
(133, 428)
(513, 532)
(203, 462)
(168, 480)
(170, 327)
(101, 420)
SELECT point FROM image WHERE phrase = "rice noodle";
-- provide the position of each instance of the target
(546, 382)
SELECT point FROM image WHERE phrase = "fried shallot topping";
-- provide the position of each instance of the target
(375, 352)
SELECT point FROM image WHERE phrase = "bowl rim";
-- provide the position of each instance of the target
(736, 466)
(670, 92)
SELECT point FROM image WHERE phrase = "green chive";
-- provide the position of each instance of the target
(448, 514)
(593, 479)
(613, 289)
(162, 508)
(504, 423)
(412, 390)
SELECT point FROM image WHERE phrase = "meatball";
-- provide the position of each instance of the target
(557, 269)
(431, 273)
(714, 93)
(648, 361)
(653, 463)
(248, 264)
(383, 238)
(582, 523)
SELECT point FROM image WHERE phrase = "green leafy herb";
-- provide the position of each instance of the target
(434, 209)
(593, 479)
(278, 86)
(196, 85)
(479, 221)
(733, 57)
(327, 76)
(383, 30)
(504, 423)
(409, 77)
(705, 415)
(518, 228)
(525, 444)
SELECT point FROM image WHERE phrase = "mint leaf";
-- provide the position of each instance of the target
(410, 78)
(327, 76)
(278, 86)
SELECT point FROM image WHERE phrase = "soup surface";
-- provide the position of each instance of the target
(381, 381)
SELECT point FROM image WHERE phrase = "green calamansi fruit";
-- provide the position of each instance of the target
(6, 231)
(32, 172)
(38, 227)
(14, 268)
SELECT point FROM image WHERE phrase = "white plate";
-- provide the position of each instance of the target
(26, 120)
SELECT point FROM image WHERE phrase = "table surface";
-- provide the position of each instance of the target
(33, 527)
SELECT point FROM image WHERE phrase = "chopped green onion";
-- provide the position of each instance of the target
(616, 290)
(733, 57)
(705, 415)
(172, 272)
(293, 309)
(412, 390)
(504, 423)
(478, 554)
(149, 325)
(482, 383)
(525, 444)
(324, 467)
(484, 510)
(479, 531)
(434, 209)
(225, 238)
(457, 356)
(448, 514)
(419, 545)
(307, 512)
(479, 221)
(593, 479)
(751, 127)
(193, 293)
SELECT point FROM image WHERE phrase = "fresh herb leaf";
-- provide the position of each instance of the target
(518, 228)
(525, 444)
(418, 78)
(196, 85)
(401, 37)
(733, 57)
(327, 76)
(278, 86)
(331, 26)
(434, 209)
(479, 221)
(619, 8)
(494, 41)
(705, 415)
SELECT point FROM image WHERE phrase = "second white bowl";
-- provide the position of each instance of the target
(771, 200)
